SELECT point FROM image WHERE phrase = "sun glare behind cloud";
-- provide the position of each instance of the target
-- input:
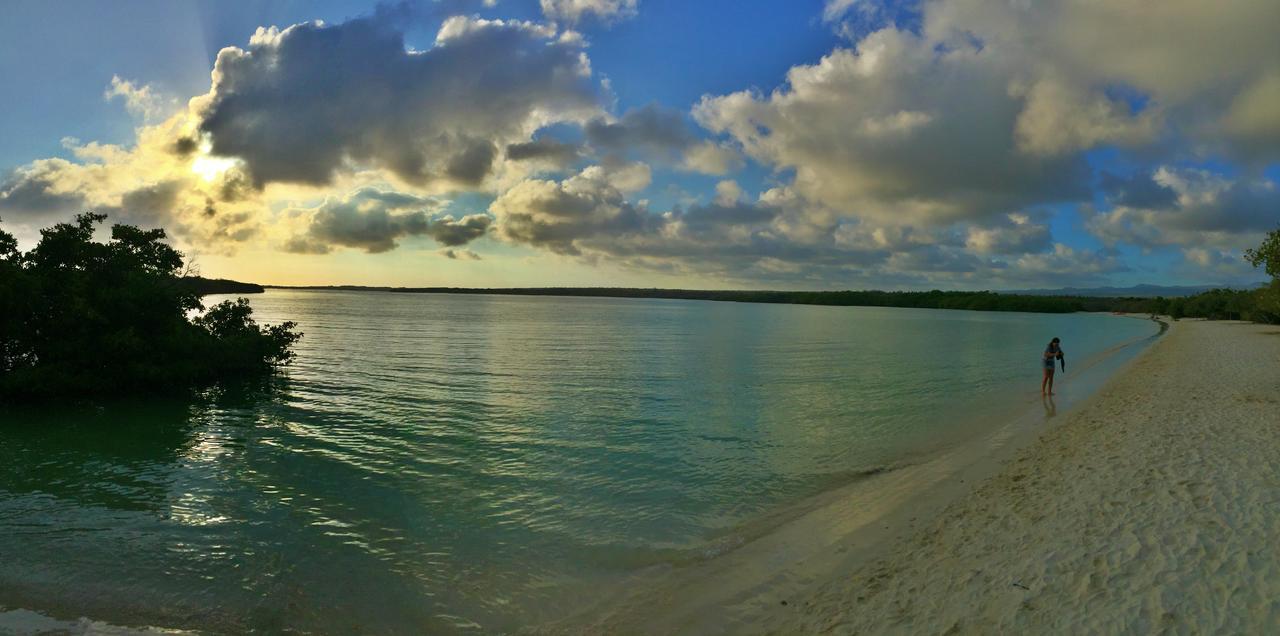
(209, 167)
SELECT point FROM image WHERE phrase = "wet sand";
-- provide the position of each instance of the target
(1153, 506)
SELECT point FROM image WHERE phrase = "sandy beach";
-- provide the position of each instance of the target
(1154, 506)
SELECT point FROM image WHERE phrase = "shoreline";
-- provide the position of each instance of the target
(748, 604)
(1151, 507)
(778, 556)
(984, 300)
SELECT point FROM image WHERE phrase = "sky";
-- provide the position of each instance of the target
(807, 144)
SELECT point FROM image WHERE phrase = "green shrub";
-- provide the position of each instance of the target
(87, 318)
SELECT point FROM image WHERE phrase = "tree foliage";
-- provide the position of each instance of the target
(1267, 255)
(82, 317)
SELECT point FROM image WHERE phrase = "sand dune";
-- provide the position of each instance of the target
(1155, 506)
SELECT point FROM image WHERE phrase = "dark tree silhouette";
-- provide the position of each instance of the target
(82, 318)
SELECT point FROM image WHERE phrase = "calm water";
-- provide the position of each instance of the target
(443, 463)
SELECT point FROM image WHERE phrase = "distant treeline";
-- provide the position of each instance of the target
(1259, 305)
(204, 286)
(978, 301)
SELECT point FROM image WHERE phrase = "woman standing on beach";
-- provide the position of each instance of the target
(1051, 352)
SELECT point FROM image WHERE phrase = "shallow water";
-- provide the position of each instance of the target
(450, 462)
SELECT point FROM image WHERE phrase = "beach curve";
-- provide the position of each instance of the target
(780, 555)
(1153, 507)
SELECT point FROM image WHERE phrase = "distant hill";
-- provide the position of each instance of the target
(206, 286)
(1137, 291)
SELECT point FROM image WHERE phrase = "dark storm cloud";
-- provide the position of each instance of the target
(300, 104)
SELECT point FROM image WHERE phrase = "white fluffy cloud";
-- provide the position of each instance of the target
(1191, 61)
(556, 215)
(303, 103)
(712, 158)
(141, 101)
(895, 129)
(573, 11)
(988, 109)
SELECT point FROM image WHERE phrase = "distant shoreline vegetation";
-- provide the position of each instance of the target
(83, 318)
(1257, 305)
(1217, 304)
(206, 286)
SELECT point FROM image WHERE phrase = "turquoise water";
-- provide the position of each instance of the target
(442, 463)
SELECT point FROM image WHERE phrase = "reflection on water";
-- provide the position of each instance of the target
(439, 463)
(1050, 407)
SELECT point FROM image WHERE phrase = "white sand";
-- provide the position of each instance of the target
(1154, 506)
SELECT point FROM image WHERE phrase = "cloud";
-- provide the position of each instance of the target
(900, 129)
(1060, 118)
(341, 106)
(1188, 63)
(147, 184)
(34, 190)
(1253, 119)
(652, 130)
(305, 103)
(660, 134)
(1064, 265)
(373, 220)
(448, 231)
(1207, 210)
(555, 215)
(773, 239)
(728, 192)
(933, 141)
(574, 11)
(1217, 266)
(460, 255)
(1138, 190)
(546, 149)
(988, 107)
(918, 155)
(709, 157)
(837, 9)
(140, 101)
(1014, 234)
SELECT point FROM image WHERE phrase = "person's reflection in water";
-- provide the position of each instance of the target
(1050, 409)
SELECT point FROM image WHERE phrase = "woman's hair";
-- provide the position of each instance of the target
(1054, 341)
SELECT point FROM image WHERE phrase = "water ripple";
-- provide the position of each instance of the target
(457, 463)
